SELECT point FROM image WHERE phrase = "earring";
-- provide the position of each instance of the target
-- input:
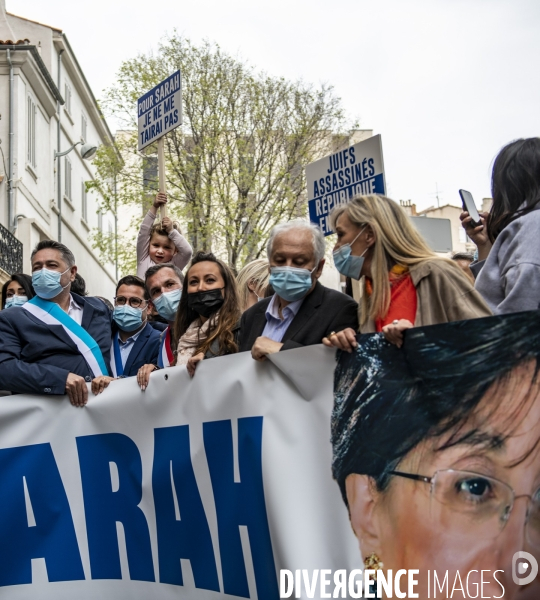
(373, 562)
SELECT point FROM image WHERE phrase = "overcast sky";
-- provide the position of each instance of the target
(445, 82)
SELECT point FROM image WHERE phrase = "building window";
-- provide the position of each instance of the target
(67, 178)
(67, 97)
(84, 202)
(31, 133)
(84, 126)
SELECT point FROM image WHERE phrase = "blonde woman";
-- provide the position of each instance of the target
(404, 284)
(252, 281)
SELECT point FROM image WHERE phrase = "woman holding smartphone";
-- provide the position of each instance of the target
(508, 239)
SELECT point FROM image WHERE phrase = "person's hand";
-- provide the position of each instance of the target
(344, 340)
(143, 375)
(160, 200)
(394, 332)
(100, 383)
(264, 346)
(167, 224)
(76, 389)
(193, 362)
(477, 234)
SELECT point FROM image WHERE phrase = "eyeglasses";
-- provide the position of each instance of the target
(134, 302)
(476, 506)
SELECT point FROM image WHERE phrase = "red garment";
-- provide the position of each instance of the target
(403, 300)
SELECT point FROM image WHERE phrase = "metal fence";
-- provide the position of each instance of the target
(11, 252)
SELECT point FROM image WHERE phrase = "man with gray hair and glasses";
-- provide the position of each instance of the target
(58, 341)
(302, 311)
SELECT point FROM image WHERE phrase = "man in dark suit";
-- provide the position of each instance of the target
(135, 342)
(302, 311)
(58, 341)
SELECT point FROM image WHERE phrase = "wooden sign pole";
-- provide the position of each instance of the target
(161, 171)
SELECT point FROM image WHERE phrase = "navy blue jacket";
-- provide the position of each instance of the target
(144, 351)
(36, 358)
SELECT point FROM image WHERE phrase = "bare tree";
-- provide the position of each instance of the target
(236, 166)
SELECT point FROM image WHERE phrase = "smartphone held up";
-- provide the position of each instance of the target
(469, 205)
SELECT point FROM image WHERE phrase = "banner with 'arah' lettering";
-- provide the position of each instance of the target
(198, 488)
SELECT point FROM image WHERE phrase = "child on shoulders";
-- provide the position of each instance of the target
(160, 242)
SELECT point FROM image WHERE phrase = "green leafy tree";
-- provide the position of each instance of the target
(235, 167)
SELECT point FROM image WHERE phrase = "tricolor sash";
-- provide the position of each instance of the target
(116, 358)
(165, 356)
(51, 314)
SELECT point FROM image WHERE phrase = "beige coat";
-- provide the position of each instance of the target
(444, 294)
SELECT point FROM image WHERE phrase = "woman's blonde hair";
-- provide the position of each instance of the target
(255, 272)
(396, 242)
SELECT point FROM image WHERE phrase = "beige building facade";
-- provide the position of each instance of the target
(47, 107)
(451, 212)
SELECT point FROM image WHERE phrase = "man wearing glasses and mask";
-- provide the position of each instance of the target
(134, 342)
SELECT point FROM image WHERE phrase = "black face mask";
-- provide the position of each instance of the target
(205, 303)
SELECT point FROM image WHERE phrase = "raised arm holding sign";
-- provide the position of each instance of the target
(160, 111)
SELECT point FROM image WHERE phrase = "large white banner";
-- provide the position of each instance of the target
(198, 488)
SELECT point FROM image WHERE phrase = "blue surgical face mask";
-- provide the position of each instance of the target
(47, 284)
(347, 264)
(291, 283)
(127, 318)
(167, 304)
(15, 301)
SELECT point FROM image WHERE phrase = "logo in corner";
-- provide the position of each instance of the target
(524, 568)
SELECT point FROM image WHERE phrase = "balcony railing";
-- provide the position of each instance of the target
(11, 252)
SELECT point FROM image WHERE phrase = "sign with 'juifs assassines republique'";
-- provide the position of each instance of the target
(160, 110)
(335, 179)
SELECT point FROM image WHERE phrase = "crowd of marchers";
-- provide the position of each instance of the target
(184, 307)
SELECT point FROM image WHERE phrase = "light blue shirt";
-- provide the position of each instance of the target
(276, 327)
(127, 346)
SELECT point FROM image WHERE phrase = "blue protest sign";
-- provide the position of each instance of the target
(160, 110)
(336, 178)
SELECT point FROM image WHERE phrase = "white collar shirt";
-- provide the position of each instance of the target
(75, 311)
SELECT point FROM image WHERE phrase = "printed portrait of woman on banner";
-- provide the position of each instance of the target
(436, 449)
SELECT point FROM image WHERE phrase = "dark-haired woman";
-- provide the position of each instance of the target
(508, 240)
(207, 319)
(437, 457)
(17, 291)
